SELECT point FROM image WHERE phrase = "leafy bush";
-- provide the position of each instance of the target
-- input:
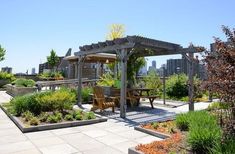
(43, 116)
(45, 101)
(152, 81)
(54, 118)
(182, 121)
(106, 80)
(34, 121)
(218, 105)
(176, 86)
(86, 91)
(21, 82)
(89, 115)
(7, 76)
(68, 117)
(78, 117)
(204, 132)
(155, 125)
(51, 75)
(27, 115)
(226, 147)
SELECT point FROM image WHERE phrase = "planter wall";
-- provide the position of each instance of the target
(4, 82)
(19, 91)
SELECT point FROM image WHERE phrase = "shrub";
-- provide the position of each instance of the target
(27, 115)
(86, 91)
(152, 81)
(34, 121)
(182, 121)
(204, 132)
(43, 116)
(60, 100)
(78, 117)
(155, 125)
(21, 82)
(88, 115)
(56, 117)
(218, 105)
(227, 147)
(176, 86)
(106, 80)
(68, 117)
(7, 76)
(51, 75)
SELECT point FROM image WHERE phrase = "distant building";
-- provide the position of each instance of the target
(33, 72)
(160, 71)
(7, 69)
(143, 70)
(176, 66)
(154, 64)
(62, 64)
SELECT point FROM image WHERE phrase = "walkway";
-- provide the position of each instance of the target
(112, 137)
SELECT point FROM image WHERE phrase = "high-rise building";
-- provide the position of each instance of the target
(33, 72)
(7, 69)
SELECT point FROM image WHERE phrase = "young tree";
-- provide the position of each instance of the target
(116, 31)
(2, 53)
(53, 59)
(221, 68)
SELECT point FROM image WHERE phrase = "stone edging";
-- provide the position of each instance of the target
(134, 151)
(152, 132)
(25, 129)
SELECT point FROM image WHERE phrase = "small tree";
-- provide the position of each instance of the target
(2, 53)
(221, 68)
(153, 81)
(116, 31)
(53, 60)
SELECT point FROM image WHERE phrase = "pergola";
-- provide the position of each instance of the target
(124, 48)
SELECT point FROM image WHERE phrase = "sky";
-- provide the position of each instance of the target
(29, 30)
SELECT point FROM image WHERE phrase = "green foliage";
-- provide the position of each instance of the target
(34, 121)
(176, 86)
(218, 105)
(54, 118)
(88, 115)
(155, 125)
(21, 82)
(51, 75)
(78, 117)
(53, 59)
(106, 80)
(7, 76)
(27, 115)
(204, 132)
(226, 147)
(86, 91)
(2, 53)
(153, 81)
(43, 116)
(59, 100)
(134, 65)
(68, 117)
(182, 121)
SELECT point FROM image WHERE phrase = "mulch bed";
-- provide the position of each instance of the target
(175, 144)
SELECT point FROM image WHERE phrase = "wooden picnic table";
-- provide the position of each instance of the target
(139, 92)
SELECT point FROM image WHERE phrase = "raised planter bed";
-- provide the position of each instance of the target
(19, 91)
(65, 124)
(152, 132)
(4, 82)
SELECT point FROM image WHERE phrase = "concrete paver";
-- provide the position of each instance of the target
(112, 137)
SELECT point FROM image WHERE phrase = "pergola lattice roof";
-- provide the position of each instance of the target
(140, 44)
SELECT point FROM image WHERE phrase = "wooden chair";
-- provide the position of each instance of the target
(100, 102)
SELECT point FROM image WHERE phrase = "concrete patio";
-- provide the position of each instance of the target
(112, 137)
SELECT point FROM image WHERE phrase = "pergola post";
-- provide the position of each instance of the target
(191, 87)
(123, 106)
(80, 64)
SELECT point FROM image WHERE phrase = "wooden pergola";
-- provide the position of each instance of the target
(124, 48)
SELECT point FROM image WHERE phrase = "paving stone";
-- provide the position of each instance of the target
(111, 139)
(132, 134)
(64, 131)
(30, 151)
(103, 150)
(95, 133)
(117, 129)
(10, 131)
(16, 147)
(12, 138)
(58, 149)
(82, 142)
(86, 127)
(47, 141)
(37, 135)
(123, 146)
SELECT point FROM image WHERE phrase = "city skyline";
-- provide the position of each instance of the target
(29, 32)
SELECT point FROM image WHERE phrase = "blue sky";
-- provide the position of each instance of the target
(30, 29)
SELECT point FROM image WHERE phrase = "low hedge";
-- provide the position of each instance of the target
(21, 82)
(204, 132)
